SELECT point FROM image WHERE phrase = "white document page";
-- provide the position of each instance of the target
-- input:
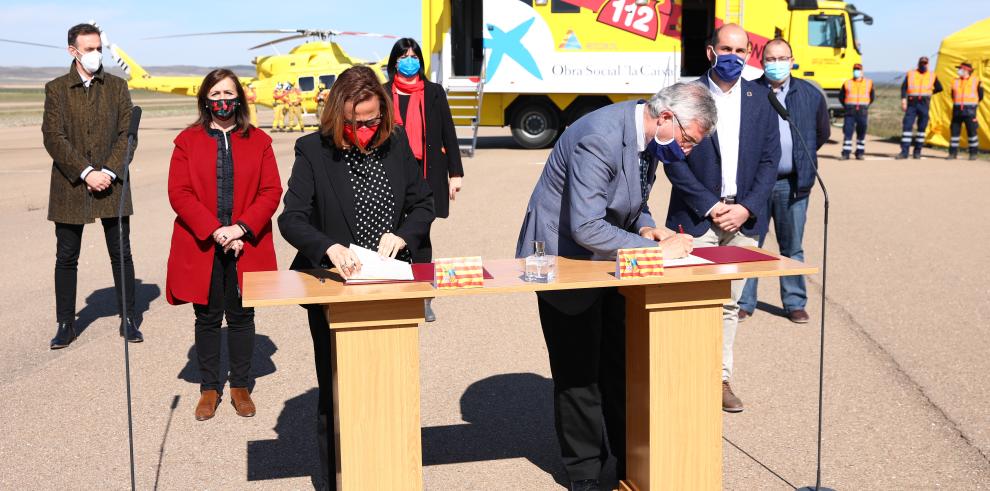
(689, 260)
(377, 268)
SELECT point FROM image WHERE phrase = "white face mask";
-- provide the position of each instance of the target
(91, 61)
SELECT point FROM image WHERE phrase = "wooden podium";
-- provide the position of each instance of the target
(673, 364)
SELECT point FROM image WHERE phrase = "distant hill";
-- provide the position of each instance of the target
(886, 77)
(29, 76)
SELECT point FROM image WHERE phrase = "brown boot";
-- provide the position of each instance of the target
(240, 398)
(730, 403)
(207, 407)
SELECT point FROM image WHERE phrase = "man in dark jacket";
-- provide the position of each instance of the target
(795, 172)
(720, 192)
(87, 113)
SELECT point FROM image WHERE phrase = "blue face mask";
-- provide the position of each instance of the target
(857, 73)
(408, 66)
(667, 152)
(728, 67)
(777, 70)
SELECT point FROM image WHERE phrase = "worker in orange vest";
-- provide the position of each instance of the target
(857, 94)
(251, 96)
(294, 99)
(916, 96)
(967, 92)
(321, 99)
(278, 106)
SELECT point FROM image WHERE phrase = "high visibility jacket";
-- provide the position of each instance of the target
(920, 84)
(279, 96)
(858, 92)
(965, 92)
(250, 95)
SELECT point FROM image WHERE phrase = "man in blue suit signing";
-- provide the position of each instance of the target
(590, 201)
(720, 192)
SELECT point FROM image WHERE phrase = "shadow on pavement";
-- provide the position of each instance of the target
(505, 142)
(508, 416)
(161, 449)
(103, 303)
(761, 464)
(771, 309)
(261, 362)
(293, 453)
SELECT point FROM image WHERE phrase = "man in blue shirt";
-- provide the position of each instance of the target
(795, 172)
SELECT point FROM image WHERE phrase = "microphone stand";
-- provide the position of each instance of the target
(131, 144)
(782, 112)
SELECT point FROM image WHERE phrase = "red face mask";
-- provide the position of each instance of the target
(363, 137)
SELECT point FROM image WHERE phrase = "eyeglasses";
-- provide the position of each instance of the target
(368, 123)
(687, 138)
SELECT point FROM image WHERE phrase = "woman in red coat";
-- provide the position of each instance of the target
(224, 186)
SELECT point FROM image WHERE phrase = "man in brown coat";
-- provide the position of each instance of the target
(87, 113)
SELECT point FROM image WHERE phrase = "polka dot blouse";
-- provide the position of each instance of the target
(374, 201)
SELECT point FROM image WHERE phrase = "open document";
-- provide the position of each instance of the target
(689, 260)
(375, 268)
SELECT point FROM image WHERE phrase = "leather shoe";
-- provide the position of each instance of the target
(585, 485)
(207, 406)
(730, 403)
(428, 314)
(844, 157)
(860, 157)
(133, 334)
(65, 334)
(799, 316)
(240, 398)
(901, 156)
(743, 315)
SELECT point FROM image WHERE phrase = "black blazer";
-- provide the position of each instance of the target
(443, 156)
(319, 201)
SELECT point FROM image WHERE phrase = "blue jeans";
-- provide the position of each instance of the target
(789, 215)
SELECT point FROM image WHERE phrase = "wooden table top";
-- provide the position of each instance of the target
(270, 288)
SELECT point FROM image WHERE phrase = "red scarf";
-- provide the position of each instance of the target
(413, 124)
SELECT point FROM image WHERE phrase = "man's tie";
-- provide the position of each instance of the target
(644, 169)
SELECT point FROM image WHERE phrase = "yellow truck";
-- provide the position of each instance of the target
(538, 65)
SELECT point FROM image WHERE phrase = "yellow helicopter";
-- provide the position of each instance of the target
(307, 66)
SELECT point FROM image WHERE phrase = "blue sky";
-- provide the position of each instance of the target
(902, 31)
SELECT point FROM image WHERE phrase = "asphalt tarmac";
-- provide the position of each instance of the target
(907, 345)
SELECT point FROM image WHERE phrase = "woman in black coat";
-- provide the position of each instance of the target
(421, 109)
(353, 182)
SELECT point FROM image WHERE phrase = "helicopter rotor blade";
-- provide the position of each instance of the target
(32, 44)
(220, 33)
(367, 34)
(280, 40)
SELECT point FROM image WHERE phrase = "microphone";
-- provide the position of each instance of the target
(777, 106)
(782, 112)
(135, 122)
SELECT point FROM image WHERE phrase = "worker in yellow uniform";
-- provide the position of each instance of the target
(916, 96)
(321, 100)
(278, 106)
(251, 97)
(857, 94)
(967, 92)
(294, 100)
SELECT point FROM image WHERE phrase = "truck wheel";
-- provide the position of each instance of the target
(535, 125)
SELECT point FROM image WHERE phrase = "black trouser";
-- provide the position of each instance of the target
(68, 240)
(587, 362)
(320, 331)
(225, 298)
(917, 110)
(855, 120)
(964, 117)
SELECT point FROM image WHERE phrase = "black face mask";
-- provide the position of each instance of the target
(923, 68)
(222, 108)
